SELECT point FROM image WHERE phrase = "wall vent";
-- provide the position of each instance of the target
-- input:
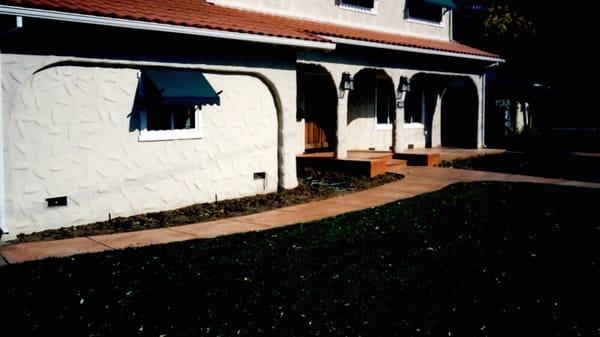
(57, 201)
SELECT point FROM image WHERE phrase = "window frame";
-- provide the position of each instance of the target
(145, 135)
(365, 10)
(172, 134)
(415, 19)
(383, 126)
(422, 112)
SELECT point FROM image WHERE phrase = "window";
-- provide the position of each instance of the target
(414, 107)
(385, 103)
(424, 10)
(359, 5)
(173, 101)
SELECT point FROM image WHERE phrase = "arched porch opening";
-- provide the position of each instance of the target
(371, 111)
(317, 107)
(442, 110)
(459, 113)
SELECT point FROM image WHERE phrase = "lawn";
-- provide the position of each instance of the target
(479, 259)
(551, 164)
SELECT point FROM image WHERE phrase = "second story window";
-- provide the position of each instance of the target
(359, 5)
(424, 10)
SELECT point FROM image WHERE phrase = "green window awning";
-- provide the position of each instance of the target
(181, 86)
(448, 4)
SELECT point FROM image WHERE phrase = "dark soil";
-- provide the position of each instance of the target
(548, 164)
(481, 259)
(313, 185)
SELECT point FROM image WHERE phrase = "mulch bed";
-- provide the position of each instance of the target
(313, 185)
(479, 259)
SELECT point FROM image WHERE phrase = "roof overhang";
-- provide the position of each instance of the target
(160, 27)
(367, 44)
(327, 43)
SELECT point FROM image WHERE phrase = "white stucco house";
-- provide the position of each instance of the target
(132, 106)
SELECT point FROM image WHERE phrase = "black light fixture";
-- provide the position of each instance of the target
(404, 84)
(347, 81)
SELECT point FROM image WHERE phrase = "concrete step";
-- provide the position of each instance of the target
(419, 158)
(395, 164)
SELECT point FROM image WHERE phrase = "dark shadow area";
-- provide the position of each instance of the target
(459, 113)
(111, 43)
(475, 259)
(317, 105)
(550, 164)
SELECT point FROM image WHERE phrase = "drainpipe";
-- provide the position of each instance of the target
(3, 228)
(3, 225)
(483, 107)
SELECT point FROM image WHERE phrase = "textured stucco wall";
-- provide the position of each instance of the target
(414, 136)
(69, 130)
(389, 16)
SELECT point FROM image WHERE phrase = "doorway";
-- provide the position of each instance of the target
(317, 106)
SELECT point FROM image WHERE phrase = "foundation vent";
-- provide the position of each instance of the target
(57, 201)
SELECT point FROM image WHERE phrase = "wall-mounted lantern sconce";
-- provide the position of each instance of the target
(347, 84)
(347, 81)
(404, 84)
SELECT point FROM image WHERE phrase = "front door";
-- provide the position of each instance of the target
(315, 138)
(318, 111)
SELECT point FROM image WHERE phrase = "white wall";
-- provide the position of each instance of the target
(68, 131)
(414, 135)
(388, 17)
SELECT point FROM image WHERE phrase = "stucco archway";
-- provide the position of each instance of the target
(442, 110)
(459, 113)
(316, 107)
(371, 110)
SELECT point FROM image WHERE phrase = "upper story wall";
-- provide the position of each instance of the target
(389, 15)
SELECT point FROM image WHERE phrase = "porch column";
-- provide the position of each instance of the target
(284, 90)
(398, 141)
(480, 82)
(341, 149)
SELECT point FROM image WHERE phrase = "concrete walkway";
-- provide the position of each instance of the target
(418, 180)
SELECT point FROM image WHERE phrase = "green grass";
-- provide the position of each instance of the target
(482, 259)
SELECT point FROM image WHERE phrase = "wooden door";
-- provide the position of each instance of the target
(316, 104)
(314, 136)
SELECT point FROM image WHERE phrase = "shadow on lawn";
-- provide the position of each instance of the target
(557, 164)
(480, 259)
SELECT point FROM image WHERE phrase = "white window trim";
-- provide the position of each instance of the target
(359, 9)
(159, 135)
(414, 125)
(381, 126)
(384, 127)
(426, 22)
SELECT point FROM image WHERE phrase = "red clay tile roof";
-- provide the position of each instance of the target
(201, 14)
